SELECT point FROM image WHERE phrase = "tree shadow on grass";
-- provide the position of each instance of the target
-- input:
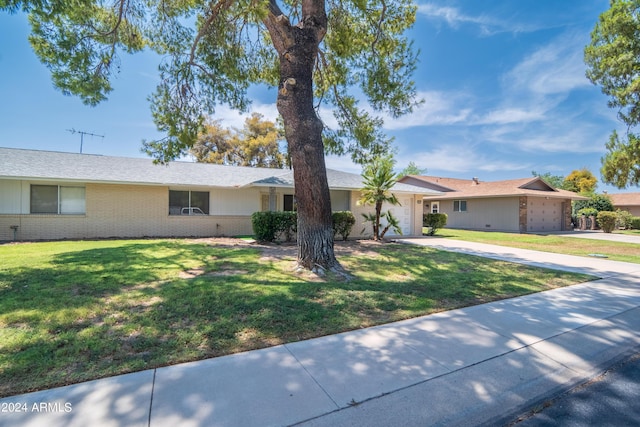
(101, 312)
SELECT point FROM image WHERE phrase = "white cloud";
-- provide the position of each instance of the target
(559, 134)
(456, 159)
(232, 118)
(510, 115)
(487, 24)
(342, 163)
(438, 108)
(327, 117)
(556, 68)
(451, 15)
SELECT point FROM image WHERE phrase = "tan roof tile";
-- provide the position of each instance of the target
(471, 188)
(625, 199)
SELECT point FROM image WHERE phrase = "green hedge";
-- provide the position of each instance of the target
(434, 221)
(607, 221)
(343, 222)
(271, 226)
(635, 222)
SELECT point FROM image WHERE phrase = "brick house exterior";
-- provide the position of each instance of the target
(51, 195)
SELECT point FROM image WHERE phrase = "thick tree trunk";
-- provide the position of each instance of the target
(297, 47)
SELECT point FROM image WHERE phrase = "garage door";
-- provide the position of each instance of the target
(544, 215)
(404, 214)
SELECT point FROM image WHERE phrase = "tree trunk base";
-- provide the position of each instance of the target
(337, 270)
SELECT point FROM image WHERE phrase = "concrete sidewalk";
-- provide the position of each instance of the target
(478, 365)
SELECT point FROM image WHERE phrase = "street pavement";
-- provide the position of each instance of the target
(610, 400)
(481, 365)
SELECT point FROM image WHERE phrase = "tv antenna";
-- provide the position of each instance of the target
(82, 134)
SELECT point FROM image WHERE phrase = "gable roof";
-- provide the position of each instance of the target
(75, 167)
(474, 188)
(625, 199)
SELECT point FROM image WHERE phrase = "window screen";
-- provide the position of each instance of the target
(72, 200)
(44, 199)
(183, 202)
(460, 206)
(54, 199)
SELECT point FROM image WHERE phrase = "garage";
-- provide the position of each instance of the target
(404, 214)
(544, 214)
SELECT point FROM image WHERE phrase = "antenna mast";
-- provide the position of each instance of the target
(82, 134)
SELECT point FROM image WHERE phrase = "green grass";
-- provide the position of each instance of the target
(616, 251)
(629, 232)
(75, 311)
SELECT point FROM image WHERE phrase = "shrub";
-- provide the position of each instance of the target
(607, 221)
(623, 219)
(635, 223)
(599, 202)
(263, 226)
(434, 221)
(267, 226)
(343, 222)
(270, 226)
(286, 224)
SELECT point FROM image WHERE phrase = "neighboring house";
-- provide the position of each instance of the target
(626, 202)
(519, 205)
(53, 195)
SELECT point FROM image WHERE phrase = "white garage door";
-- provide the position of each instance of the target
(404, 214)
(544, 215)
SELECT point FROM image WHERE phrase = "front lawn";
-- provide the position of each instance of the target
(616, 251)
(629, 232)
(75, 311)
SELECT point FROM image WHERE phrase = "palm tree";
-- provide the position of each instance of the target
(378, 179)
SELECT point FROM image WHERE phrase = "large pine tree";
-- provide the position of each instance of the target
(314, 51)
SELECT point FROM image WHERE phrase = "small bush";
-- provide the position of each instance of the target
(263, 226)
(268, 226)
(343, 222)
(635, 222)
(287, 225)
(623, 219)
(607, 221)
(434, 221)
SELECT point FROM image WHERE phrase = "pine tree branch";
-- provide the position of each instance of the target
(279, 28)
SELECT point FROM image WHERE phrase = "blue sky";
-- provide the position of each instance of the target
(503, 84)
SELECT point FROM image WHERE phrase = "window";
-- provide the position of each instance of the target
(56, 199)
(188, 202)
(435, 207)
(289, 203)
(459, 205)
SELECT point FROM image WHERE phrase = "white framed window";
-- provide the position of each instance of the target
(182, 202)
(459, 205)
(57, 199)
(435, 207)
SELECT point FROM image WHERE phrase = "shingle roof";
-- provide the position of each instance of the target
(457, 188)
(52, 165)
(625, 199)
